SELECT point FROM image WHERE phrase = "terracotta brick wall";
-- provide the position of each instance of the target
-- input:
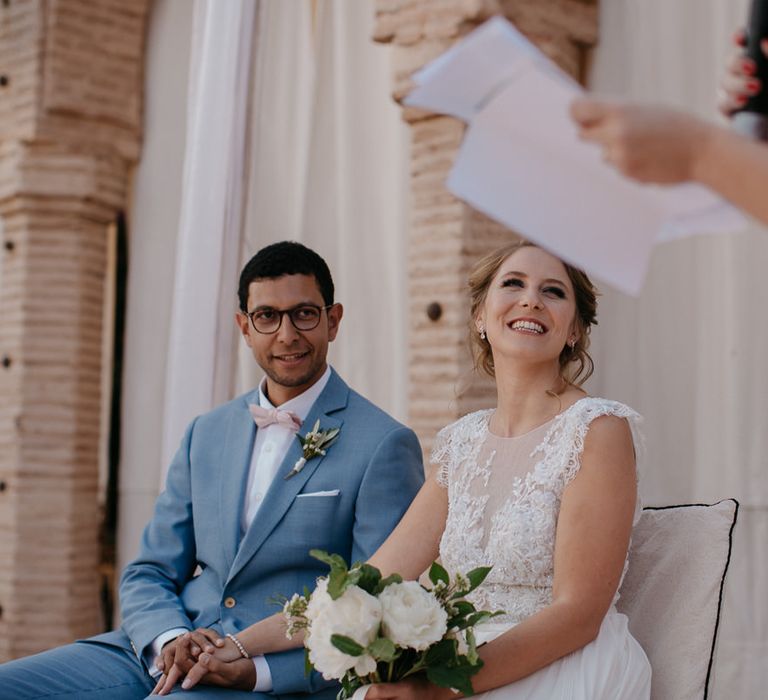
(70, 114)
(447, 236)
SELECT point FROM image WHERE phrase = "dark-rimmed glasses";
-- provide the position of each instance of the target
(304, 317)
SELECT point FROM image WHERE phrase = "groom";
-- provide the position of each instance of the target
(233, 529)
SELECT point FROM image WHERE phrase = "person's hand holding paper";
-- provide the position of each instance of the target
(522, 164)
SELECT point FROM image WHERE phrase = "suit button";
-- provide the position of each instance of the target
(230, 602)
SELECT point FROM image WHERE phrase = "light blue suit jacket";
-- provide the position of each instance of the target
(376, 466)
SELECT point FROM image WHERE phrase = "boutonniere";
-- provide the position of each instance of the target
(313, 444)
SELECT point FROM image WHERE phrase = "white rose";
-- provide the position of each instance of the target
(412, 616)
(356, 615)
(319, 601)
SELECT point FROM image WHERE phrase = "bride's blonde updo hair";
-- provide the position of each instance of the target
(576, 365)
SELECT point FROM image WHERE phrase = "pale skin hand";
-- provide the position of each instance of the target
(660, 145)
(656, 144)
(645, 143)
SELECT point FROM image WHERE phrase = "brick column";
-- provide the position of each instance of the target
(447, 236)
(70, 115)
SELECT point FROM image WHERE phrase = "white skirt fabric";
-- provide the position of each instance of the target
(611, 667)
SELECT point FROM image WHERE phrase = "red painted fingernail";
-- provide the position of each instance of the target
(748, 66)
(753, 85)
(741, 99)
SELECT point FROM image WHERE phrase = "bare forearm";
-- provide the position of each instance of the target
(550, 634)
(268, 636)
(737, 168)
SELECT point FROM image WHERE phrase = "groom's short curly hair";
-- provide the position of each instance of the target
(285, 258)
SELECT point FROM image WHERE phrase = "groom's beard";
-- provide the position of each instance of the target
(308, 374)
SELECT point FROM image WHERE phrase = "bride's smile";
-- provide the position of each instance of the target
(529, 311)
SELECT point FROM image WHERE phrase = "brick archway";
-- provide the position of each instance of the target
(70, 131)
(447, 236)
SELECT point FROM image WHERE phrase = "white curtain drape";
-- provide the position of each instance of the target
(153, 223)
(328, 164)
(201, 351)
(689, 353)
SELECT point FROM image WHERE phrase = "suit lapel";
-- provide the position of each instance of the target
(281, 493)
(236, 456)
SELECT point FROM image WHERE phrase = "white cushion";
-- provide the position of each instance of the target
(672, 592)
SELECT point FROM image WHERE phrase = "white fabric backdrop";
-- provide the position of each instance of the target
(689, 353)
(328, 164)
(152, 224)
(201, 344)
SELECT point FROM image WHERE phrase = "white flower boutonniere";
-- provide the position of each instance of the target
(313, 444)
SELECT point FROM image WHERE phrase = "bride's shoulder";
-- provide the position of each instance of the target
(588, 408)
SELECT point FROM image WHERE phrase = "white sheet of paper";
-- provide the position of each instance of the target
(522, 163)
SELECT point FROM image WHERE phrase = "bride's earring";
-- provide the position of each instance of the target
(482, 334)
(572, 343)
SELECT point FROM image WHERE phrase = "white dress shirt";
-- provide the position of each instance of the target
(269, 450)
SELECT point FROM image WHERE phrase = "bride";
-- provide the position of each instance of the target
(543, 488)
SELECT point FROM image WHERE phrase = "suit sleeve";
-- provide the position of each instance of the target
(392, 479)
(150, 585)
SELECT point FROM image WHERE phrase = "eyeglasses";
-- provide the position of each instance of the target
(304, 317)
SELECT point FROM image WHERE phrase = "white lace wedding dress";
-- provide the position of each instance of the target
(504, 498)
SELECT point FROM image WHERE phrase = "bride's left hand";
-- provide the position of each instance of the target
(406, 690)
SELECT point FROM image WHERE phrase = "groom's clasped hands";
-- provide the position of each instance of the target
(202, 656)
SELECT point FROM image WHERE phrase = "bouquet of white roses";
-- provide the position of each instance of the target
(362, 628)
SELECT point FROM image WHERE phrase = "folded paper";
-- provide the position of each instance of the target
(523, 164)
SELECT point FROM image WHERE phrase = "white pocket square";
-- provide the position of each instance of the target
(318, 494)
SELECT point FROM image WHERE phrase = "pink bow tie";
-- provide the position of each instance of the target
(273, 416)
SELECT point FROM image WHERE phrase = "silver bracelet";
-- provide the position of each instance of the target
(239, 646)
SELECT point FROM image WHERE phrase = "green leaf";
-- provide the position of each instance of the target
(383, 649)
(463, 607)
(477, 576)
(369, 578)
(482, 616)
(308, 668)
(472, 656)
(392, 578)
(337, 579)
(328, 438)
(451, 678)
(338, 582)
(333, 560)
(438, 573)
(346, 645)
(442, 653)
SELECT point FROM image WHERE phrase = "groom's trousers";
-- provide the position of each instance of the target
(90, 670)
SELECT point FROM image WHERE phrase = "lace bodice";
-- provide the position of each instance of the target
(504, 498)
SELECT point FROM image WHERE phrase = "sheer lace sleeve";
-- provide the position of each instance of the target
(577, 427)
(439, 456)
(454, 442)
